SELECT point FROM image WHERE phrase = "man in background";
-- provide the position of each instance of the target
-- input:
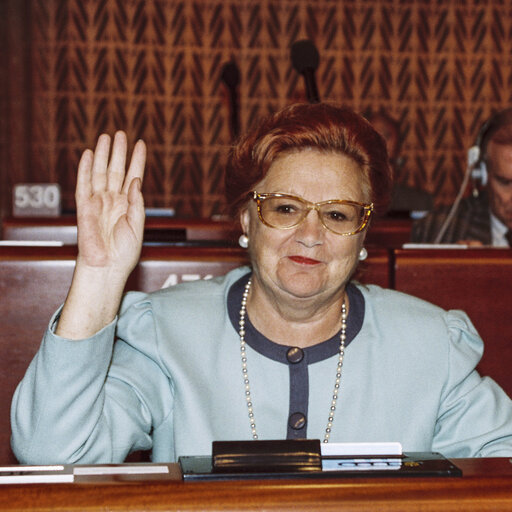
(404, 198)
(485, 217)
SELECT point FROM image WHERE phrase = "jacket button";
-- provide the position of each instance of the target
(295, 355)
(297, 420)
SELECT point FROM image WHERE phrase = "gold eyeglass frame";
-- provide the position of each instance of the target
(259, 197)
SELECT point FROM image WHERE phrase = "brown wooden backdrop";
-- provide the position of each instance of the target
(74, 68)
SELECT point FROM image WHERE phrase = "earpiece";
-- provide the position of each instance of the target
(473, 155)
(477, 166)
(479, 173)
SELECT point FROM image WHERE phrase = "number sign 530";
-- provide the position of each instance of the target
(37, 199)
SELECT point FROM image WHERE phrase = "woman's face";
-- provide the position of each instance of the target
(307, 261)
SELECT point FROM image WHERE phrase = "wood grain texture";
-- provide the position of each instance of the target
(154, 67)
(485, 487)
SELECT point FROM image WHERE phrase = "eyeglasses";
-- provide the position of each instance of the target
(284, 211)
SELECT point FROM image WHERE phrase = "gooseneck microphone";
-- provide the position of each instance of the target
(305, 60)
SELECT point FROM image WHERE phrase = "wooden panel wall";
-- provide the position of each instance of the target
(152, 67)
(3, 108)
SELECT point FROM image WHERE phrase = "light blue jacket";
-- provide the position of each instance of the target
(172, 382)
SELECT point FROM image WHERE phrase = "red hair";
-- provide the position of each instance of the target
(322, 126)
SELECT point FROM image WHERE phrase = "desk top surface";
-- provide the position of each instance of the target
(486, 485)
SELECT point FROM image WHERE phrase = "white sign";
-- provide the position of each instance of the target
(36, 200)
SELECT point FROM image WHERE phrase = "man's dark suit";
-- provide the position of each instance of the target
(470, 222)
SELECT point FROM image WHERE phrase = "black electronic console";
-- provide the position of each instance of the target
(242, 460)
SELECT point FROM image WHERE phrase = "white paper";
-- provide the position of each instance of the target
(355, 449)
(143, 469)
(361, 456)
(31, 243)
(434, 246)
(34, 474)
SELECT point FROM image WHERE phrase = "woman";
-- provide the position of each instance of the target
(288, 348)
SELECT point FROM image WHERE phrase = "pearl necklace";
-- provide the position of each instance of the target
(243, 353)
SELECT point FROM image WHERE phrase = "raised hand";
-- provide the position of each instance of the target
(110, 218)
(110, 207)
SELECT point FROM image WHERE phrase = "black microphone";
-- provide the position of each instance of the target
(305, 60)
(230, 75)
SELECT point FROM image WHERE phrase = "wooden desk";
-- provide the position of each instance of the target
(485, 486)
(156, 229)
(383, 232)
(477, 281)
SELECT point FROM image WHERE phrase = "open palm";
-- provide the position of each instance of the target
(110, 206)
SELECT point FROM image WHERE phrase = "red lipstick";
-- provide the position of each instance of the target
(303, 260)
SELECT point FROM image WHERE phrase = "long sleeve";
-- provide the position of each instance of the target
(475, 414)
(410, 376)
(82, 401)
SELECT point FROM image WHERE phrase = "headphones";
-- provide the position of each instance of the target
(476, 153)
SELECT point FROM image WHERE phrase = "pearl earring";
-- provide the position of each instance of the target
(363, 254)
(243, 241)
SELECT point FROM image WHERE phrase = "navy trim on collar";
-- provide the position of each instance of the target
(297, 359)
(277, 352)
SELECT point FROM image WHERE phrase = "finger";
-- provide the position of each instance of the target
(99, 165)
(137, 165)
(83, 179)
(116, 167)
(135, 213)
